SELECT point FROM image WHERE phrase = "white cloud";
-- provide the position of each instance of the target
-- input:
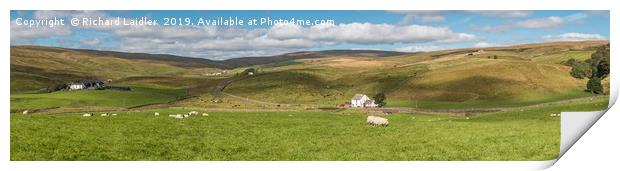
(537, 23)
(573, 37)
(502, 14)
(418, 48)
(367, 33)
(497, 29)
(548, 22)
(21, 33)
(224, 42)
(280, 38)
(90, 42)
(25, 33)
(483, 44)
(47, 14)
(421, 16)
(552, 21)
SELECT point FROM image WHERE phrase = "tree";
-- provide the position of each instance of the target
(600, 62)
(570, 62)
(580, 70)
(594, 85)
(380, 99)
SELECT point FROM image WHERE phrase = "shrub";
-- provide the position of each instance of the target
(380, 99)
(594, 85)
(580, 70)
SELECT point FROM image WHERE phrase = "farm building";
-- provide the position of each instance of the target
(89, 84)
(361, 100)
(93, 84)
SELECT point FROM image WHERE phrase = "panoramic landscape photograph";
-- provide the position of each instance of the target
(301, 85)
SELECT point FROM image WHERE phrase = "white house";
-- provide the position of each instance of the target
(361, 100)
(89, 84)
(76, 86)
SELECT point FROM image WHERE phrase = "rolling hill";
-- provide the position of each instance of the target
(456, 78)
(461, 78)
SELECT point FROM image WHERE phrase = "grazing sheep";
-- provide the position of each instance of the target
(205, 114)
(25, 112)
(193, 113)
(467, 117)
(554, 115)
(104, 115)
(377, 121)
(172, 116)
(156, 113)
(186, 116)
(114, 114)
(87, 115)
(179, 116)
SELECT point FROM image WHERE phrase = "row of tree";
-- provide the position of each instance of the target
(594, 69)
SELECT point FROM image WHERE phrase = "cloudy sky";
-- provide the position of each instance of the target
(407, 31)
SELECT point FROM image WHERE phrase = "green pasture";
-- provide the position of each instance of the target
(139, 95)
(529, 134)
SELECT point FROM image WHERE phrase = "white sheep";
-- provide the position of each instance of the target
(186, 116)
(205, 114)
(179, 116)
(193, 113)
(377, 121)
(114, 114)
(156, 113)
(172, 116)
(25, 112)
(87, 115)
(104, 115)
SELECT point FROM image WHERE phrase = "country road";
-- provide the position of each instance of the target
(217, 91)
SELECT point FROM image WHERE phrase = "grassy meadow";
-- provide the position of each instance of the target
(139, 95)
(531, 134)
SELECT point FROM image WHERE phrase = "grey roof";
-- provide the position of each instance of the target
(367, 102)
(357, 97)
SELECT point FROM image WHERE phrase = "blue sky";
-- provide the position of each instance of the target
(381, 30)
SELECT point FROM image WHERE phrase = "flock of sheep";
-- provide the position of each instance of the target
(177, 116)
(181, 116)
(371, 120)
(102, 115)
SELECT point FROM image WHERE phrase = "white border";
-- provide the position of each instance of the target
(595, 146)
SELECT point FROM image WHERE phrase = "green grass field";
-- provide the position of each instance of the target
(139, 95)
(517, 135)
(481, 104)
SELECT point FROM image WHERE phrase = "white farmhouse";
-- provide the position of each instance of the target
(361, 100)
(76, 86)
